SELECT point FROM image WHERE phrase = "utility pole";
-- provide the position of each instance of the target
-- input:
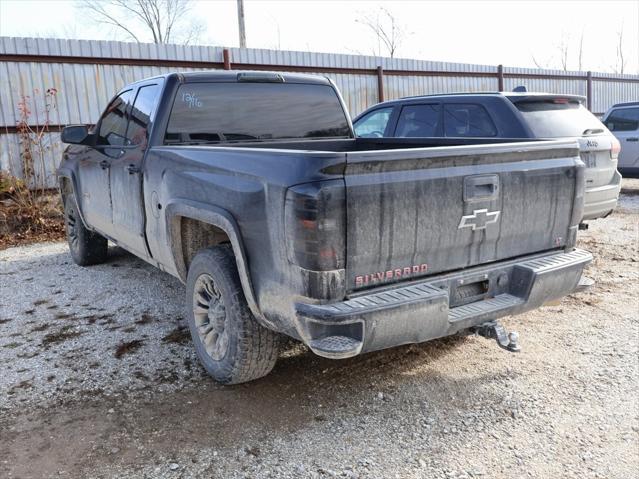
(240, 20)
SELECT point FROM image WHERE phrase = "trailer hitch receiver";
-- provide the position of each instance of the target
(495, 330)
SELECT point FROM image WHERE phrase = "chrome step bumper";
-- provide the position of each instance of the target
(433, 308)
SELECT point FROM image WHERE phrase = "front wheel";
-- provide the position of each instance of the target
(231, 345)
(86, 247)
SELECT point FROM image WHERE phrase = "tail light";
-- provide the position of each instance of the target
(315, 225)
(616, 148)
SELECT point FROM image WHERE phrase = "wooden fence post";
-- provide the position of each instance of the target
(380, 84)
(589, 90)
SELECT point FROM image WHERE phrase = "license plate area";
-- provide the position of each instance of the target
(469, 290)
(589, 158)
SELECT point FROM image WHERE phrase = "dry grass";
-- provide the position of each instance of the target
(27, 216)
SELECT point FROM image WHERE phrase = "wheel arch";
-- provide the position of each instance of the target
(67, 185)
(213, 223)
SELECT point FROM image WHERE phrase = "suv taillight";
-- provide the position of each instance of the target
(616, 148)
(315, 225)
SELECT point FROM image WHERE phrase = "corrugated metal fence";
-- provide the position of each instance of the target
(48, 83)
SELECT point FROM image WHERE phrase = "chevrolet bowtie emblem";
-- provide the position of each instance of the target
(479, 219)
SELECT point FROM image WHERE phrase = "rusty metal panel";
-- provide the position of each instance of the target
(87, 81)
(398, 86)
(607, 93)
(46, 157)
(567, 86)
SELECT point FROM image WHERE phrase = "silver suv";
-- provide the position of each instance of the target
(623, 121)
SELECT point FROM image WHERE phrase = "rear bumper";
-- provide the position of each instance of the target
(433, 308)
(601, 200)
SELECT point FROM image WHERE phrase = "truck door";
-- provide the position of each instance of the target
(93, 167)
(125, 175)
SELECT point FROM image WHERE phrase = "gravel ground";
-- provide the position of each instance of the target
(98, 379)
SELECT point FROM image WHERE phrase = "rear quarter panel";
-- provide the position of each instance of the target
(249, 184)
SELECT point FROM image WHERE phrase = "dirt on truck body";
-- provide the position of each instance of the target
(251, 189)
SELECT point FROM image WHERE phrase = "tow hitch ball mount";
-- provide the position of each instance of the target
(495, 330)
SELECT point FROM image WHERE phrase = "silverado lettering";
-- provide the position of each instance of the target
(390, 274)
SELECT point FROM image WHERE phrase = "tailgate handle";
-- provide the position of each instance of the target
(481, 188)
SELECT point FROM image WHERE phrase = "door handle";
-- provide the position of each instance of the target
(634, 138)
(104, 164)
(132, 169)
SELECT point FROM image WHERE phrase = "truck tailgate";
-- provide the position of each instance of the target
(415, 212)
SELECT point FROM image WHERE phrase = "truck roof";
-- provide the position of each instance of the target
(242, 75)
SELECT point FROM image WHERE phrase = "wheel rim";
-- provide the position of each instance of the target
(72, 229)
(210, 317)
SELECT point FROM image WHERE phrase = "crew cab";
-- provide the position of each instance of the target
(251, 188)
(508, 115)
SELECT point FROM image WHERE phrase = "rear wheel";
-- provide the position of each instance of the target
(231, 345)
(86, 247)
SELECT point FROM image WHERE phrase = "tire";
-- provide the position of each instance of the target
(86, 247)
(231, 345)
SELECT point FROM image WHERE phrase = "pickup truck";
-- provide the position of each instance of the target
(251, 188)
(516, 114)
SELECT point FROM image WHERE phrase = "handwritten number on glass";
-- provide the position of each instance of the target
(191, 100)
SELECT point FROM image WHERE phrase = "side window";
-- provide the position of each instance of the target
(624, 119)
(374, 124)
(467, 120)
(143, 107)
(114, 121)
(418, 120)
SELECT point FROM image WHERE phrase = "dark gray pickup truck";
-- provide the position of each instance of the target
(251, 188)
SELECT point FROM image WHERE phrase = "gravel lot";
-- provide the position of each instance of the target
(98, 379)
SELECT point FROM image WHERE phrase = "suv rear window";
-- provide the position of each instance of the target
(221, 112)
(557, 118)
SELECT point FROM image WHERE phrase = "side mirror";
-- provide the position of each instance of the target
(76, 134)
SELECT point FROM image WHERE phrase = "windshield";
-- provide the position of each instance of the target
(559, 118)
(222, 112)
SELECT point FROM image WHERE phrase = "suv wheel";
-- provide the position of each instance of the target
(231, 345)
(86, 247)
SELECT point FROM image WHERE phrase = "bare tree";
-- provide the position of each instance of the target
(165, 21)
(564, 51)
(539, 64)
(387, 30)
(563, 48)
(621, 60)
(580, 54)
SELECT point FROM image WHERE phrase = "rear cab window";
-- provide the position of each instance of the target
(238, 112)
(623, 119)
(558, 118)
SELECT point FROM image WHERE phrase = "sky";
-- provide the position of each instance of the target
(512, 33)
